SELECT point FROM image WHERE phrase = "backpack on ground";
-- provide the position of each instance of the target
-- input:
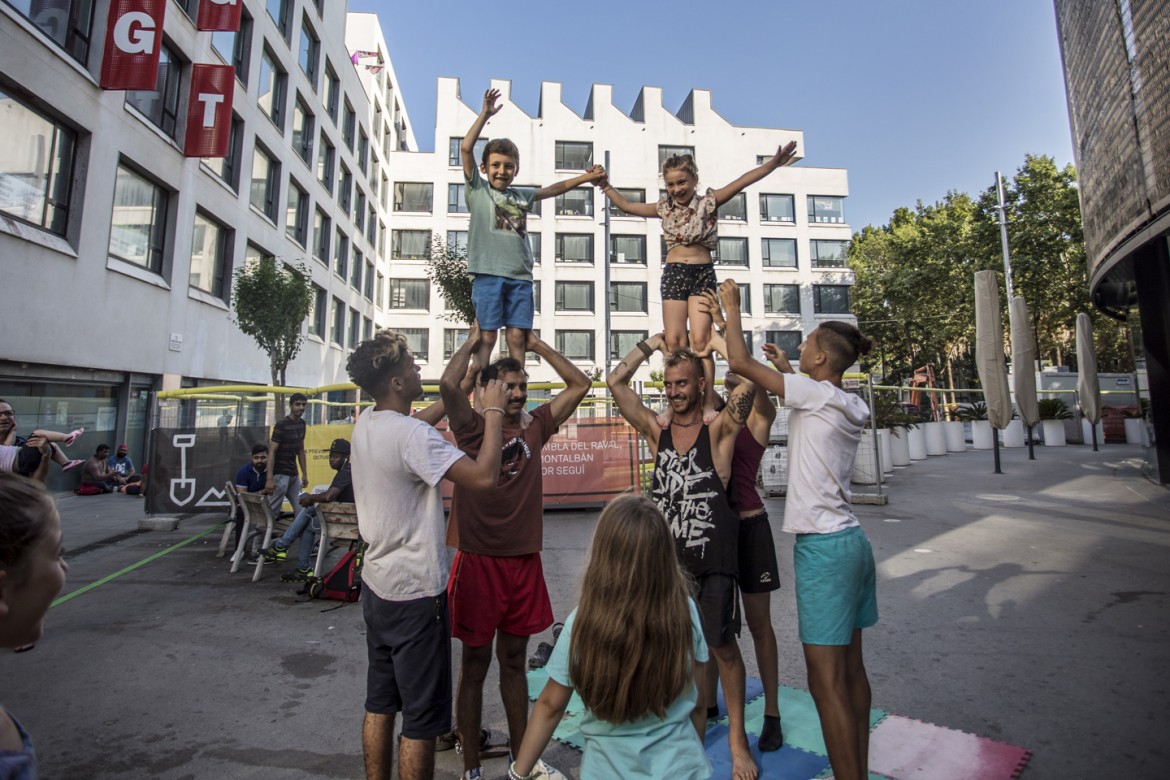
(344, 581)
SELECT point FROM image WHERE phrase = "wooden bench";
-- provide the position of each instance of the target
(338, 523)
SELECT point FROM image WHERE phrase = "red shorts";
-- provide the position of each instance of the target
(487, 594)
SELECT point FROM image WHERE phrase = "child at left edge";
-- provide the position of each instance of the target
(499, 257)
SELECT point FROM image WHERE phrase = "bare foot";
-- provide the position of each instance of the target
(665, 419)
(743, 766)
(709, 415)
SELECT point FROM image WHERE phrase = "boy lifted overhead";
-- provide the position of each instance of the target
(499, 257)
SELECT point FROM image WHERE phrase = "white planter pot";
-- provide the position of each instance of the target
(981, 434)
(956, 438)
(1087, 432)
(865, 463)
(1053, 433)
(917, 440)
(936, 438)
(1135, 431)
(886, 450)
(1013, 434)
(899, 447)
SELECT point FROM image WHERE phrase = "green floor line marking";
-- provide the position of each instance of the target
(134, 566)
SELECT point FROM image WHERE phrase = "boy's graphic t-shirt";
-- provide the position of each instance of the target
(497, 233)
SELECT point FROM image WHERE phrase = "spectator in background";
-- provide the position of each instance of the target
(121, 464)
(286, 451)
(97, 473)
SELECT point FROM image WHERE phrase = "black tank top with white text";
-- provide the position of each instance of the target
(688, 490)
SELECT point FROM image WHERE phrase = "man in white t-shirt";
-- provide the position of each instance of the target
(398, 461)
(835, 576)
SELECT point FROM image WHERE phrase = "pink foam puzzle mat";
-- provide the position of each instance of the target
(909, 749)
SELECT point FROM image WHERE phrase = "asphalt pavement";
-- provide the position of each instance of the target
(1028, 607)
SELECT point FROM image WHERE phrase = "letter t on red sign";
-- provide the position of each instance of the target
(219, 15)
(209, 111)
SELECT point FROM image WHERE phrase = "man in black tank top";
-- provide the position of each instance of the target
(692, 467)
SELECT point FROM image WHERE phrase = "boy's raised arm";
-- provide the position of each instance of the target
(467, 148)
(783, 156)
(595, 173)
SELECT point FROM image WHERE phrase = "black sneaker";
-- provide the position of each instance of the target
(274, 554)
(297, 575)
(541, 656)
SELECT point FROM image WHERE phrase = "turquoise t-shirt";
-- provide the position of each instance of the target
(497, 234)
(650, 748)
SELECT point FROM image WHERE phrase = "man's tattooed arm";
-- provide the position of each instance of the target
(740, 406)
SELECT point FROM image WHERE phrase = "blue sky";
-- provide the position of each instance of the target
(914, 98)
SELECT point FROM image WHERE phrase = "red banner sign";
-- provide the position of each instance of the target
(219, 15)
(134, 31)
(209, 111)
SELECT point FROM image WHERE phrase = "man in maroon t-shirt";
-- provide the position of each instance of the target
(496, 589)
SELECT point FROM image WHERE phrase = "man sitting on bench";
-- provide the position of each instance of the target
(305, 525)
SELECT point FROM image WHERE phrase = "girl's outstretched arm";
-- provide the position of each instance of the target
(546, 715)
(783, 156)
(634, 209)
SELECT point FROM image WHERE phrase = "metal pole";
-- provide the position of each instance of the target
(877, 449)
(608, 260)
(1003, 236)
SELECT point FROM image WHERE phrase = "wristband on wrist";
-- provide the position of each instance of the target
(499, 409)
(514, 775)
(645, 348)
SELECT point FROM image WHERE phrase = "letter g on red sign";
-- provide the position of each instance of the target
(133, 42)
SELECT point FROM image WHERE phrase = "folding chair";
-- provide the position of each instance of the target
(258, 512)
(233, 518)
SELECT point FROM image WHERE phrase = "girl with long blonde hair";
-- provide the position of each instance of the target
(633, 649)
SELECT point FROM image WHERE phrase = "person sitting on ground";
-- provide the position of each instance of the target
(24, 459)
(32, 573)
(120, 463)
(97, 471)
(306, 526)
(8, 436)
(633, 649)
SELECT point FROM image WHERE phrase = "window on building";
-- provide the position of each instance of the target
(410, 294)
(281, 13)
(745, 298)
(666, 152)
(534, 242)
(536, 295)
(456, 199)
(777, 208)
(138, 226)
(627, 297)
(782, 299)
(296, 213)
(575, 203)
(68, 23)
(453, 339)
(322, 232)
(385, 192)
(731, 251)
(340, 254)
(36, 168)
(270, 96)
(367, 328)
(574, 155)
(622, 342)
(787, 340)
(380, 292)
(735, 209)
(829, 254)
(309, 52)
(574, 248)
(455, 155)
(161, 104)
(413, 196)
(575, 344)
(348, 125)
(418, 340)
(368, 282)
(357, 266)
(628, 249)
(319, 312)
(372, 226)
(332, 91)
(210, 255)
(355, 328)
(574, 296)
(633, 196)
(830, 298)
(325, 157)
(381, 239)
(457, 240)
(228, 168)
(410, 244)
(265, 182)
(779, 252)
(359, 211)
(363, 151)
(826, 209)
(302, 131)
(235, 47)
(345, 189)
(337, 335)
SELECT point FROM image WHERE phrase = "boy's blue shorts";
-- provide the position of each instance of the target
(501, 302)
(836, 586)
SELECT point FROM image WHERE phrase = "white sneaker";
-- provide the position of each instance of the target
(473, 774)
(543, 770)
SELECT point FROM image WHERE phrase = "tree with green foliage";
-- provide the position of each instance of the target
(272, 301)
(447, 267)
